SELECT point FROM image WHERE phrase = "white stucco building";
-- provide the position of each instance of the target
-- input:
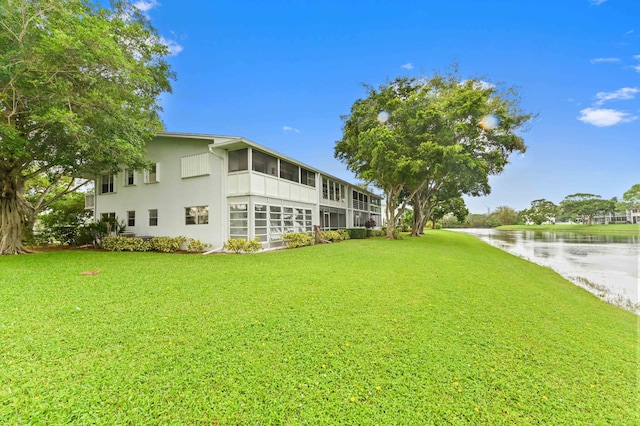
(212, 188)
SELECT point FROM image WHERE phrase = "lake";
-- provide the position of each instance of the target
(605, 265)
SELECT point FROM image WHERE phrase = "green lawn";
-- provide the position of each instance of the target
(442, 329)
(630, 229)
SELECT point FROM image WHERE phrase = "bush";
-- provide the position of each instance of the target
(239, 245)
(196, 246)
(378, 233)
(115, 243)
(335, 236)
(296, 240)
(357, 233)
(167, 244)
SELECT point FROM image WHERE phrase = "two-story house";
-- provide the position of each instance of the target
(212, 188)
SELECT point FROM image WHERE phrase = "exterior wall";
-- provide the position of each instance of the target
(171, 194)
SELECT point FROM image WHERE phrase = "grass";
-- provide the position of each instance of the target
(630, 229)
(442, 329)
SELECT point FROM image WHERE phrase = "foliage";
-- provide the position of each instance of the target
(120, 243)
(371, 223)
(454, 206)
(166, 244)
(299, 239)
(630, 198)
(196, 246)
(541, 211)
(218, 339)
(241, 245)
(357, 233)
(429, 138)
(335, 236)
(62, 222)
(586, 206)
(378, 233)
(504, 215)
(79, 92)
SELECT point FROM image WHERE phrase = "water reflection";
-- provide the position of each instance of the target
(606, 265)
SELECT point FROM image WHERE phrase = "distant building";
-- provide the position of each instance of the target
(212, 188)
(628, 216)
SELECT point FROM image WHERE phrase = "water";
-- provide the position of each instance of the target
(605, 265)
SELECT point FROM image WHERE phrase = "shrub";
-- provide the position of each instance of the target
(357, 233)
(378, 233)
(167, 244)
(116, 243)
(295, 240)
(196, 246)
(335, 236)
(238, 245)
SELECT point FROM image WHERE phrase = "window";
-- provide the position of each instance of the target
(153, 217)
(106, 216)
(260, 222)
(197, 215)
(307, 177)
(107, 184)
(289, 171)
(325, 188)
(264, 163)
(129, 177)
(151, 174)
(238, 160)
(275, 223)
(238, 221)
(131, 218)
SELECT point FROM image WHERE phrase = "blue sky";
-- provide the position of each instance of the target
(281, 73)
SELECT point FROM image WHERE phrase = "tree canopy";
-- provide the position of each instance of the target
(412, 137)
(586, 206)
(79, 91)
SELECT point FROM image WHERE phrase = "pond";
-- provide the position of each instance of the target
(605, 265)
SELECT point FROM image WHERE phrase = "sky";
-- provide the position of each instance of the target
(282, 73)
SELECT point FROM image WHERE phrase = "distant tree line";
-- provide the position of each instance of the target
(578, 208)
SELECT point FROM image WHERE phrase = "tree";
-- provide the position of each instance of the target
(504, 215)
(452, 206)
(586, 206)
(631, 198)
(540, 211)
(79, 91)
(411, 137)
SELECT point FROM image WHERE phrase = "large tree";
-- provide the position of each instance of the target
(79, 91)
(541, 211)
(586, 206)
(412, 137)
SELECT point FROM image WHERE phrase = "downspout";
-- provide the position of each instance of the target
(211, 151)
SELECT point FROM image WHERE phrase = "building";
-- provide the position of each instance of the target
(624, 216)
(212, 188)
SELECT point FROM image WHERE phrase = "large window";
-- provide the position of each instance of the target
(360, 201)
(238, 221)
(153, 217)
(307, 177)
(107, 216)
(197, 215)
(289, 171)
(275, 223)
(238, 160)
(260, 222)
(151, 174)
(264, 163)
(332, 190)
(107, 184)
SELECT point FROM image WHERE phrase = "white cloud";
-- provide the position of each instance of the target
(636, 57)
(596, 2)
(604, 117)
(174, 46)
(408, 66)
(621, 94)
(599, 60)
(637, 68)
(290, 129)
(145, 5)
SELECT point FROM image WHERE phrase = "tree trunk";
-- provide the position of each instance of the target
(13, 214)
